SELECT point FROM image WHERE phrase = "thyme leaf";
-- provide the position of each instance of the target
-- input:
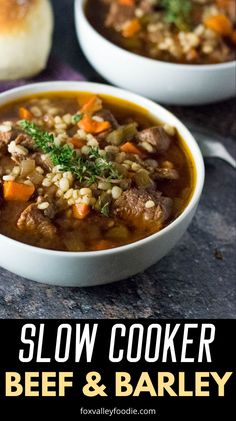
(76, 118)
(105, 209)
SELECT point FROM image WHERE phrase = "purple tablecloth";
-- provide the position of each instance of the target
(56, 70)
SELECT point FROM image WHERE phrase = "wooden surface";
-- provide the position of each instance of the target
(196, 280)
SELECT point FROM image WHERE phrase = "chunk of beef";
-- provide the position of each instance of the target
(108, 116)
(49, 197)
(26, 141)
(20, 139)
(51, 211)
(146, 6)
(165, 174)
(5, 139)
(157, 137)
(32, 219)
(17, 158)
(118, 15)
(131, 205)
(42, 161)
(55, 209)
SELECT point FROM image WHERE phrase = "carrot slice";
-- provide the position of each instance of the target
(25, 114)
(17, 191)
(131, 28)
(103, 245)
(80, 211)
(220, 24)
(77, 143)
(91, 126)
(92, 105)
(129, 147)
(127, 2)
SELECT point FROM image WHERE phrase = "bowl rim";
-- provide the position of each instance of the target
(103, 89)
(80, 12)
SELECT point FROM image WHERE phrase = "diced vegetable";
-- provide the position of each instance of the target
(131, 28)
(36, 178)
(17, 191)
(142, 179)
(76, 118)
(120, 169)
(125, 183)
(73, 242)
(127, 2)
(122, 134)
(94, 104)
(103, 202)
(92, 126)
(103, 245)
(117, 233)
(129, 147)
(25, 114)
(220, 24)
(27, 166)
(78, 143)
(133, 43)
(80, 211)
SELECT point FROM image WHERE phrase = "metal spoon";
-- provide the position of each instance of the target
(209, 147)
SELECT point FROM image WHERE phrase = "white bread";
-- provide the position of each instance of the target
(25, 37)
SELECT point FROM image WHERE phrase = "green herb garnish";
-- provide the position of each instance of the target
(85, 169)
(76, 118)
(104, 164)
(105, 209)
(178, 13)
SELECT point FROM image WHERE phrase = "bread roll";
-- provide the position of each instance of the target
(25, 37)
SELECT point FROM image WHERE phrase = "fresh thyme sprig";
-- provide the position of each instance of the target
(178, 12)
(85, 169)
(103, 164)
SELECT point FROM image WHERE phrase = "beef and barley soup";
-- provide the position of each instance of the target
(82, 172)
(180, 31)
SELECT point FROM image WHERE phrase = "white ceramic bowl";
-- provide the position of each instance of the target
(164, 82)
(100, 267)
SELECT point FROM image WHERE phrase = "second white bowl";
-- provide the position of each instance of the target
(168, 83)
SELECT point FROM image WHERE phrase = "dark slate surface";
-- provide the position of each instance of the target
(197, 279)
